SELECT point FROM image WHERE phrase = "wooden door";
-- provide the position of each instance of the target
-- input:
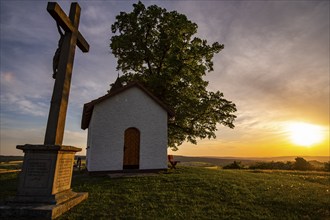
(132, 149)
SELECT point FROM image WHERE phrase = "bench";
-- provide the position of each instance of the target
(172, 161)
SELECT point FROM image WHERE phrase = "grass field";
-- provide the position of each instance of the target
(198, 193)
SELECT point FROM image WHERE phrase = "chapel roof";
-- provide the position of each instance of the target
(116, 85)
(89, 107)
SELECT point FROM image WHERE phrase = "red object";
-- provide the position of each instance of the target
(172, 161)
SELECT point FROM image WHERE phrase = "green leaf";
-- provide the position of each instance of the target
(158, 48)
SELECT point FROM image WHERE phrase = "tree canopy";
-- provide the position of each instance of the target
(301, 164)
(158, 49)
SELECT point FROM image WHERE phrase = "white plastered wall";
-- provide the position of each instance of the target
(110, 119)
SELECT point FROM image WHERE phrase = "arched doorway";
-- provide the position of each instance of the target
(131, 149)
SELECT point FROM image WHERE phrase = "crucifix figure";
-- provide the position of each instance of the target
(57, 54)
(63, 69)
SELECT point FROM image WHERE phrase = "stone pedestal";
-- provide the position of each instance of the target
(44, 188)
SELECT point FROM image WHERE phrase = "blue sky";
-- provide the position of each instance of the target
(275, 68)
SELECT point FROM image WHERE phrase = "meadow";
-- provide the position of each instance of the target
(192, 192)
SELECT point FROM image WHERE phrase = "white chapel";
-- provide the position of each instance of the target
(127, 130)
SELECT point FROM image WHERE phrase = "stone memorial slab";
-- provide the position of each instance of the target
(44, 189)
(47, 171)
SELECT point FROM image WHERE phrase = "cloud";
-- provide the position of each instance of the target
(23, 105)
(15, 101)
(6, 77)
(11, 137)
(275, 65)
(74, 138)
(278, 61)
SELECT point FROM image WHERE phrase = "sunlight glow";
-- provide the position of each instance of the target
(304, 134)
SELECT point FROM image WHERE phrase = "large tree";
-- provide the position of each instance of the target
(158, 49)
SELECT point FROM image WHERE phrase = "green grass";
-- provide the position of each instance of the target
(199, 193)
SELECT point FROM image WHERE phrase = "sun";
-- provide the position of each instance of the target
(304, 134)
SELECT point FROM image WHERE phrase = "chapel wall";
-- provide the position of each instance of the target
(110, 119)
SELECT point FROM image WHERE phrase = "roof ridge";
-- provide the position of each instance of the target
(89, 107)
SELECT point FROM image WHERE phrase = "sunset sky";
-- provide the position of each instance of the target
(275, 68)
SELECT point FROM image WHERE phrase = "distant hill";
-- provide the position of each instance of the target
(222, 161)
(291, 158)
(10, 158)
(17, 158)
(218, 161)
(213, 160)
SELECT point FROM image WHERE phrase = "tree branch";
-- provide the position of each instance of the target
(162, 59)
(146, 56)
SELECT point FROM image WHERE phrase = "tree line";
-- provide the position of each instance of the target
(299, 164)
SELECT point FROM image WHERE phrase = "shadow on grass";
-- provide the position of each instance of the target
(198, 193)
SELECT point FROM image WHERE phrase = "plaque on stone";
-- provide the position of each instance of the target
(44, 189)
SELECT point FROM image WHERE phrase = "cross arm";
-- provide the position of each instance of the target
(82, 43)
(59, 15)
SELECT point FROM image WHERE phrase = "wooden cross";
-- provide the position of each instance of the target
(59, 103)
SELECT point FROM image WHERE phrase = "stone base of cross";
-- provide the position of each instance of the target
(44, 190)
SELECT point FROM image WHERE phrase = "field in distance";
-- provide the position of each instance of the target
(222, 161)
(15, 162)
